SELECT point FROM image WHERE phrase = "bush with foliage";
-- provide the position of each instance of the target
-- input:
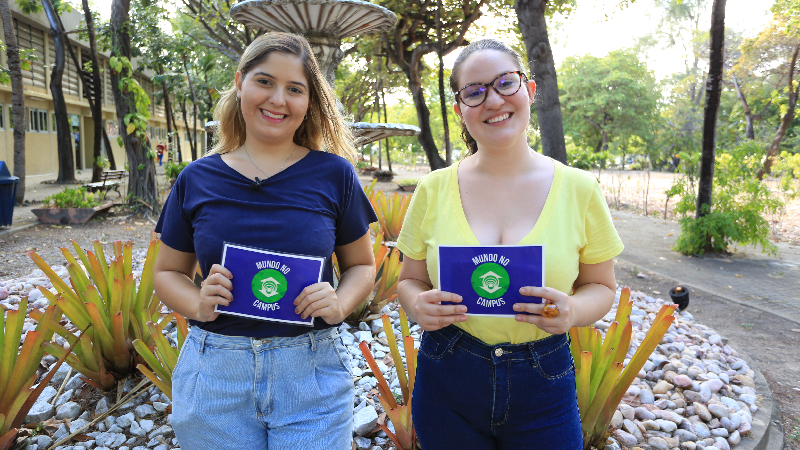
(587, 159)
(172, 170)
(408, 182)
(72, 198)
(740, 201)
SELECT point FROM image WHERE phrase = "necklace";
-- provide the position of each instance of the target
(258, 182)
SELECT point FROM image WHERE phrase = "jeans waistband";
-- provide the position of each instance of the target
(207, 338)
(501, 352)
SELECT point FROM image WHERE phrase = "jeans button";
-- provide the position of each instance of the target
(498, 352)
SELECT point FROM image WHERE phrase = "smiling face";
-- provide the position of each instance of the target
(499, 120)
(274, 97)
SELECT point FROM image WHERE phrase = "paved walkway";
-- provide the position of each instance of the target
(767, 283)
(770, 284)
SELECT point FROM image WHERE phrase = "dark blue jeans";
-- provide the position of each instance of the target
(470, 395)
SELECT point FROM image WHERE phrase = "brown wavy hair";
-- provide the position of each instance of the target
(474, 47)
(323, 128)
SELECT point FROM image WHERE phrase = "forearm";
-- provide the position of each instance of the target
(178, 292)
(354, 287)
(407, 292)
(590, 303)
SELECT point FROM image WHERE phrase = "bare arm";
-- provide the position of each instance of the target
(357, 263)
(173, 279)
(421, 302)
(593, 294)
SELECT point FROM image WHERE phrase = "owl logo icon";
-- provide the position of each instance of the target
(269, 287)
(491, 282)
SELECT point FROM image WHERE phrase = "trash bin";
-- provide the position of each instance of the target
(8, 190)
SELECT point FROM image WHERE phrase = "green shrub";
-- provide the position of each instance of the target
(588, 159)
(408, 182)
(172, 170)
(739, 202)
(72, 198)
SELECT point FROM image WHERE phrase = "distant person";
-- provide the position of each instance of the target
(489, 382)
(160, 148)
(277, 180)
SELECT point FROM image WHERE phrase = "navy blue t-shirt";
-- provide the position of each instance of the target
(311, 207)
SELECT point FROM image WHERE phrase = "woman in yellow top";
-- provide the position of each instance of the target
(500, 382)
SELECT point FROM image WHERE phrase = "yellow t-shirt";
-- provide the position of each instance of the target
(574, 227)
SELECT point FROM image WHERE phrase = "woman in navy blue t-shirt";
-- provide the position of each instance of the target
(247, 383)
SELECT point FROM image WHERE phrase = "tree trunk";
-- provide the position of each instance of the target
(90, 94)
(424, 118)
(194, 111)
(142, 187)
(167, 111)
(97, 96)
(182, 104)
(386, 120)
(17, 98)
(786, 120)
(448, 149)
(66, 162)
(748, 115)
(713, 91)
(543, 70)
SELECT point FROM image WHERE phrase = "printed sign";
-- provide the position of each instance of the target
(489, 277)
(265, 283)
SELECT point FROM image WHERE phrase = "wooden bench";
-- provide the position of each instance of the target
(109, 180)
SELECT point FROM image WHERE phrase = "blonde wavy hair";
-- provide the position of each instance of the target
(323, 128)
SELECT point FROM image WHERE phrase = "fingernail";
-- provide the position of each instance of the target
(297, 311)
(517, 307)
(460, 298)
(462, 309)
(521, 290)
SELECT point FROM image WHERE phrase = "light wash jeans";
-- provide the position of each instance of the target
(233, 392)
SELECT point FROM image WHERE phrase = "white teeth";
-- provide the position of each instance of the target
(498, 118)
(272, 116)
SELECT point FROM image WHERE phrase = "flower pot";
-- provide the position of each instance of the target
(66, 216)
(680, 296)
(408, 188)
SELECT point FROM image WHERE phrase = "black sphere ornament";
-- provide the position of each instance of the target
(680, 296)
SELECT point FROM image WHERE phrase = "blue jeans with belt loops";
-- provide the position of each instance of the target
(470, 395)
(283, 393)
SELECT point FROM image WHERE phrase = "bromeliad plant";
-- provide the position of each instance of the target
(161, 356)
(600, 377)
(387, 269)
(399, 413)
(18, 370)
(391, 211)
(105, 295)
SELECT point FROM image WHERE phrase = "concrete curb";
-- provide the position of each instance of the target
(20, 228)
(766, 432)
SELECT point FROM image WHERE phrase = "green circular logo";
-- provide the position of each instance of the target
(490, 280)
(269, 285)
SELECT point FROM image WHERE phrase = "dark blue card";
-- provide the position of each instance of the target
(266, 283)
(489, 277)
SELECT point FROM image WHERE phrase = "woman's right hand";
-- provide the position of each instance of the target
(215, 290)
(431, 315)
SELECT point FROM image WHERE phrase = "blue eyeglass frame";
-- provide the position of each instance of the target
(523, 79)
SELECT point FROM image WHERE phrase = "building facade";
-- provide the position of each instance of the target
(41, 149)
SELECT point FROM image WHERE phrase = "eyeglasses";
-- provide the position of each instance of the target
(505, 84)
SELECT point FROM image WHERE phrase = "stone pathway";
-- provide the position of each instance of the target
(695, 392)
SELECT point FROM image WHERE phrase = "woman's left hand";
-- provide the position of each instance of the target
(555, 325)
(319, 300)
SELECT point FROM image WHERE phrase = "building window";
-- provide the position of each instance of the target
(10, 117)
(112, 128)
(37, 121)
(53, 118)
(2, 116)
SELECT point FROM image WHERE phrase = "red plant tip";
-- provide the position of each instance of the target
(626, 289)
